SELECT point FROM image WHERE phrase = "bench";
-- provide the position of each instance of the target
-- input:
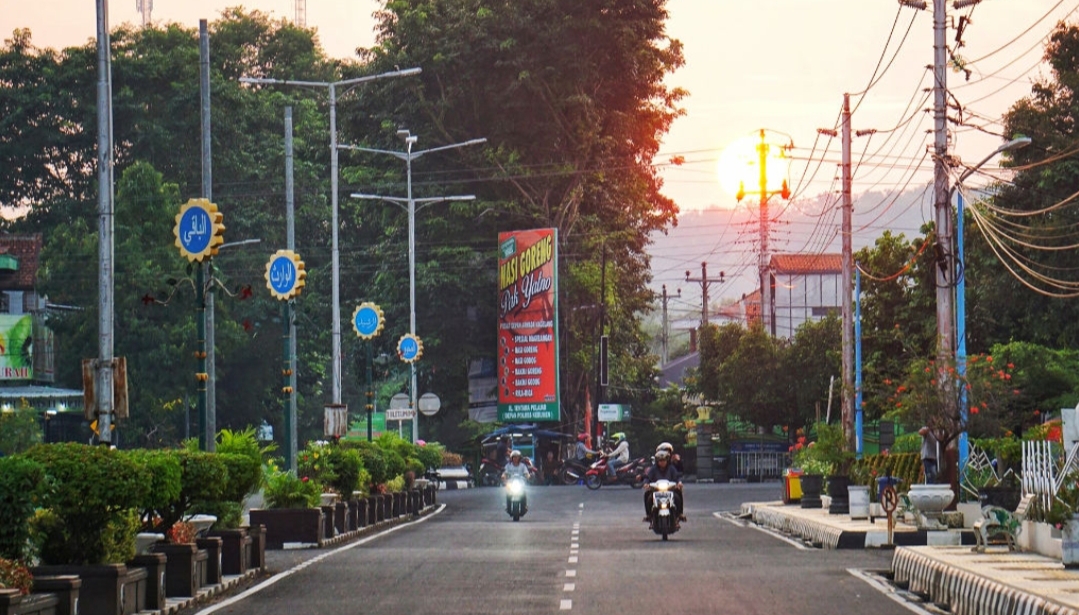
(1000, 527)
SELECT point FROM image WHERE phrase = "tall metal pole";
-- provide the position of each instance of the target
(411, 284)
(336, 255)
(106, 257)
(288, 313)
(207, 193)
(766, 286)
(859, 442)
(666, 330)
(848, 260)
(704, 294)
(200, 348)
(961, 333)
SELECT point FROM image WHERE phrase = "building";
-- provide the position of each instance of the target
(806, 287)
(27, 346)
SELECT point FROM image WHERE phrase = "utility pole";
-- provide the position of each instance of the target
(847, 403)
(666, 333)
(289, 309)
(705, 283)
(209, 435)
(106, 256)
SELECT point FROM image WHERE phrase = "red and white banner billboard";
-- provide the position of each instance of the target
(528, 326)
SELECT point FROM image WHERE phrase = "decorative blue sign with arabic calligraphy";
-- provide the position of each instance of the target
(199, 230)
(409, 348)
(285, 274)
(195, 229)
(282, 275)
(367, 320)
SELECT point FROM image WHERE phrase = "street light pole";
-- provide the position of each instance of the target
(331, 87)
(410, 206)
(960, 293)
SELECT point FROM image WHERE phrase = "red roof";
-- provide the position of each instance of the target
(27, 250)
(752, 302)
(807, 263)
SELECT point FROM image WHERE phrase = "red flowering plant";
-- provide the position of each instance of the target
(287, 490)
(930, 395)
(14, 575)
(181, 533)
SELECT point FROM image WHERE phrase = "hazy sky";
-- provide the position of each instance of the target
(777, 64)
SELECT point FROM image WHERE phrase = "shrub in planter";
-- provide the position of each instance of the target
(315, 463)
(347, 467)
(430, 455)
(286, 490)
(95, 487)
(21, 484)
(14, 575)
(452, 460)
(203, 477)
(165, 482)
(373, 461)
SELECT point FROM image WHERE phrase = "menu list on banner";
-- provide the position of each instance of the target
(527, 326)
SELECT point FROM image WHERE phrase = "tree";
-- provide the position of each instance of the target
(898, 318)
(570, 96)
(1031, 217)
(755, 384)
(717, 344)
(812, 359)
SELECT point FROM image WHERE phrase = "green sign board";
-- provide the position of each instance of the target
(509, 413)
(357, 430)
(613, 413)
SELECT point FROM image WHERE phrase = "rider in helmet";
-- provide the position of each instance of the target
(619, 456)
(676, 459)
(518, 466)
(582, 452)
(662, 469)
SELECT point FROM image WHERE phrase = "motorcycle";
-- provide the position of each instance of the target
(573, 471)
(490, 474)
(664, 517)
(516, 501)
(630, 474)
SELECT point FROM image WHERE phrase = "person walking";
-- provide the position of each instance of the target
(929, 454)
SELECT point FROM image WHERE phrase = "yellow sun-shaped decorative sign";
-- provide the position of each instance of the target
(198, 229)
(285, 275)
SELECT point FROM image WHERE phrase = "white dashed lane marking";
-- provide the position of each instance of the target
(571, 573)
(568, 587)
(566, 605)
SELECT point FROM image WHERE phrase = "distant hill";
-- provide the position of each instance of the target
(728, 240)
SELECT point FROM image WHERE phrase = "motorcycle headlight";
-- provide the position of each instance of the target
(516, 487)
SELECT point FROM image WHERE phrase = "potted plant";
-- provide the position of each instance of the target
(831, 449)
(293, 514)
(814, 469)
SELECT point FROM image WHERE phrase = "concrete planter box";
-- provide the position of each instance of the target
(1040, 538)
(235, 550)
(14, 603)
(328, 529)
(106, 589)
(256, 555)
(183, 571)
(212, 546)
(340, 517)
(290, 525)
(65, 588)
(154, 564)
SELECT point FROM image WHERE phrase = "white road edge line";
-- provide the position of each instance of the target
(298, 567)
(888, 591)
(773, 534)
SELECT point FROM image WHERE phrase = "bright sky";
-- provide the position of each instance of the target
(777, 64)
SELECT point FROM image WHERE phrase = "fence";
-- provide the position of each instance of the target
(758, 465)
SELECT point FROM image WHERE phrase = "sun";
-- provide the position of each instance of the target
(738, 169)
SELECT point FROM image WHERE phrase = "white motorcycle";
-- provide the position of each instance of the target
(664, 514)
(516, 499)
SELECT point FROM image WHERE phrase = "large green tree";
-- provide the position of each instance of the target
(571, 99)
(1035, 209)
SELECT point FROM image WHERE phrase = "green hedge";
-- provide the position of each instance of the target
(21, 481)
(905, 466)
(97, 489)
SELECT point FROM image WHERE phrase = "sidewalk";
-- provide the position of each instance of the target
(939, 565)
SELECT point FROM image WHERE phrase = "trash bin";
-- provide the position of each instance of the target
(792, 485)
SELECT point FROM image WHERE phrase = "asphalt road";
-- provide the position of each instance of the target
(576, 551)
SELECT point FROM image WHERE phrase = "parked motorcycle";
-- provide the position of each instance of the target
(664, 515)
(631, 474)
(516, 500)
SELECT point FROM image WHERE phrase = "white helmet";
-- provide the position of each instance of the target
(665, 446)
(515, 453)
(663, 455)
